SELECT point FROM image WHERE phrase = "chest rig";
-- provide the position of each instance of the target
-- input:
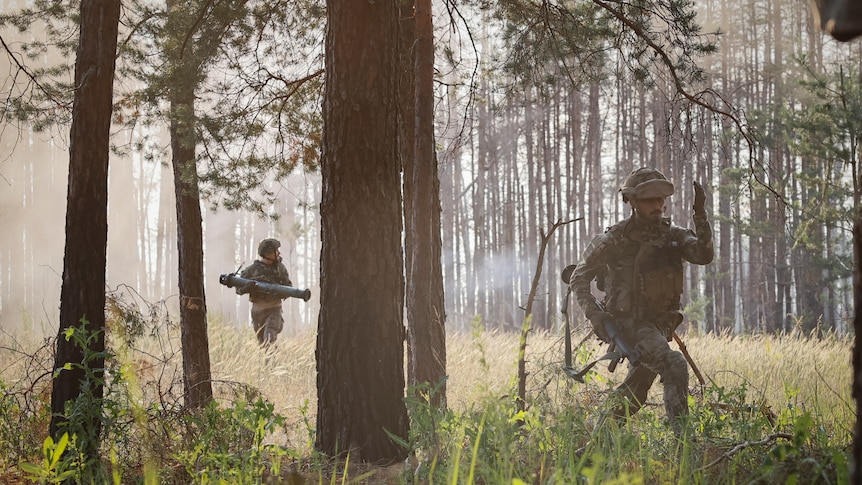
(266, 273)
(644, 276)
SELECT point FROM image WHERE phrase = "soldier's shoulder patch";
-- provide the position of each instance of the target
(600, 245)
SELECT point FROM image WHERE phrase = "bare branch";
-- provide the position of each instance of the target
(746, 444)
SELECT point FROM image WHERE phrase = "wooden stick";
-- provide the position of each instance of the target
(684, 351)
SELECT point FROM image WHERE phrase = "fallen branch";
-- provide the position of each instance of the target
(746, 444)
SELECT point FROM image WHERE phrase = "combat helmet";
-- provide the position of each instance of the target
(645, 183)
(267, 246)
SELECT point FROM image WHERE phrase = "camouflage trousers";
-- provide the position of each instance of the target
(657, 359)
(267, 322)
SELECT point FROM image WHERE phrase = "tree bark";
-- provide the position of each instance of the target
(197, 377)
(360, 356)
(856, 468)
(425, 304)
(82, 297)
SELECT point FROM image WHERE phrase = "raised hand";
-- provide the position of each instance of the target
(699, 198)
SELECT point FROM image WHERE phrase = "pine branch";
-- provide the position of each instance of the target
(21, 68)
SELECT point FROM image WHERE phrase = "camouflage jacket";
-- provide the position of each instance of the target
(639, 268)
(267, 273)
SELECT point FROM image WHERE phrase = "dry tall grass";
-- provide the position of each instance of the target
(814, 374)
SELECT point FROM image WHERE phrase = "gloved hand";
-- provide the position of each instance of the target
(699, 199)
(596, 320)
(246, 288)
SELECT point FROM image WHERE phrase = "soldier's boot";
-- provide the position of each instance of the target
(628, 397)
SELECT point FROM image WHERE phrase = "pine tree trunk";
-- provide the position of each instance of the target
(809, 274)
(197, 377)
(163, 281)
(424, 305)
(725, 294)
(197, 380)
(220, 244)
(857, 352)
(593, 160)
(82, 298)
(360, 356)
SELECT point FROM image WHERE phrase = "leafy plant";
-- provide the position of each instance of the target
(228, 444)
(56, 465)
(87, 407)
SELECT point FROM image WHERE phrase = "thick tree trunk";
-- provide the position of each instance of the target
(424, 304)
(406, 147)
(197, 378)
(360, 341)
(82, 298)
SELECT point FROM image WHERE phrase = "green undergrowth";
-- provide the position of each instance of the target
(734, 434)
(726, 440)
(737, 431)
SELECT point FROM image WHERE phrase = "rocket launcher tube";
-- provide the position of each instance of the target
(231, 280)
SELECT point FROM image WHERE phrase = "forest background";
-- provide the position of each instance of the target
(519, 146)
(529, 142)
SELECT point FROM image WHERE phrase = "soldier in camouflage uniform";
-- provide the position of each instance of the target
(638, 264)
(266, 312)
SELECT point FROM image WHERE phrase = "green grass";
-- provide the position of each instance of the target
(774, 410)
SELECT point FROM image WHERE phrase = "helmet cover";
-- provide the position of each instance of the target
(267, 246)
(646, 183)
